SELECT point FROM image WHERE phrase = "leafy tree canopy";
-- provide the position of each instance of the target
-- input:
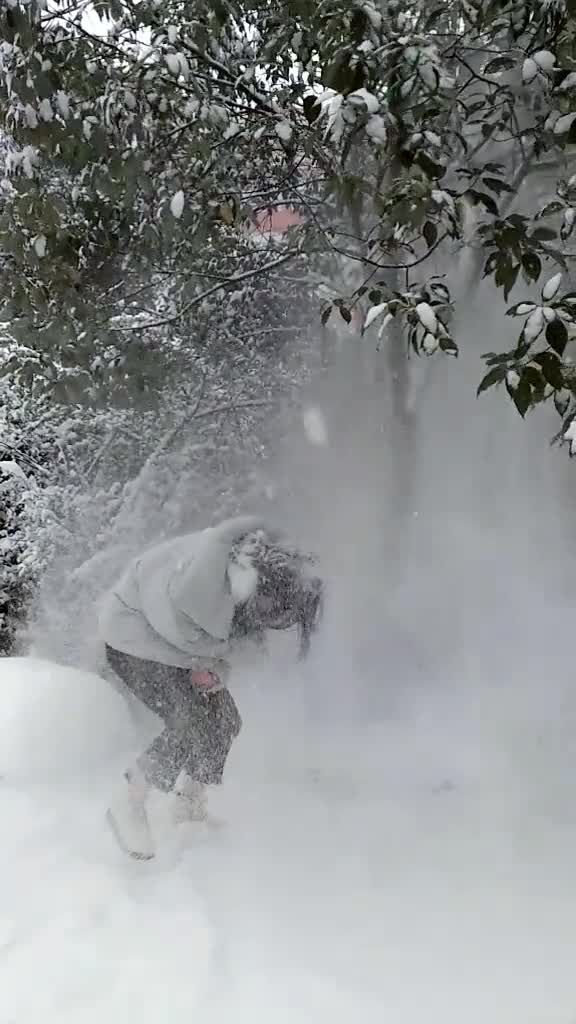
(144, 139)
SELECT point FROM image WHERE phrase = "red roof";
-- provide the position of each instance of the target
(277, 220)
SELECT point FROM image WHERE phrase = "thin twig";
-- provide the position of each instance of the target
(164, 321)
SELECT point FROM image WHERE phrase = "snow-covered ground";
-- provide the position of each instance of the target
(413, 863)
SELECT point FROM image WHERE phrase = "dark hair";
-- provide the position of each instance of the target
(284, 597)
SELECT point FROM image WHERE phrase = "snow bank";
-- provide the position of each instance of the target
(55, 721)
(86, 937)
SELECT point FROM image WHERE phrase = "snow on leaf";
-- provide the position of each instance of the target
(568, 83)
(29, 160)
(549, 314)
(11, 468)
(551, 120)
(551, 287)
(363, 96)
(568, 222)
(172, 33)
(512, 379)
(433, 138)
(63, 104)
(429, 75)
(45, 110)
(524, 308)
(529, 70)
(427, 317)
(172, 63)
(430, 344)
(177, 204)
(534, 325)
(442, 198)
(570, 435)
(564, 124)
(184, 67)
(372, 313)
(545, 60)
(374, 16)
(376, 128)
(31, 116)
(39, 243)
(384, 325)
(284, 130)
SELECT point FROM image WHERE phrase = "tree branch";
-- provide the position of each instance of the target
(238, 279)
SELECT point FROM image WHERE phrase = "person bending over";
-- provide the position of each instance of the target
(170, 627)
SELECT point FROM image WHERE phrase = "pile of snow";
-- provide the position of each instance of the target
(57, 721)
(405, 866)
(81, 944)
(86, 936)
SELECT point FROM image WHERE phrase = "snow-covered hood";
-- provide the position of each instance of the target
(186, 579)
(176, 602)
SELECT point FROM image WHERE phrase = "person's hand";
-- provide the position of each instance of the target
(204, 679)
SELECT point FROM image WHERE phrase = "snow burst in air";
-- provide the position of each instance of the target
(315, 426)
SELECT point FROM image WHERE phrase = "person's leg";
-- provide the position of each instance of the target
(200, 727)
(210, 733)
(159, 688)
(206, 731)
(162, 688)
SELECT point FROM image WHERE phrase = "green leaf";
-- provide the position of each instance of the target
(341, 76)
(521, 396)
(433, 17)
(430, 232)
(432, 168)
(496, 358)
(525, 307)
(506, 273)
(500, 64)
(561, 404)
(532, 265)
(484, 200)
(490, 264)
(534, 377)
(497, 185)
(511, 279)
(543, 234)
(551, 208)
(312, 109)
(522, 348)
(345, 314)
(494, 376)
(448, 345)
(551, 368)
(557, 335)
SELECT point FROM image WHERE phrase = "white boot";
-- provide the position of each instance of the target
(128, 819)
(189, 800)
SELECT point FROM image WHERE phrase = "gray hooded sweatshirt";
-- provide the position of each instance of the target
(174, 604)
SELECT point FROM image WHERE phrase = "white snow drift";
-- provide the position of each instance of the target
(417, 866)
(58, 722)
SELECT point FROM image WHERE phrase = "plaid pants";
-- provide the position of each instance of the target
(199, 727)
